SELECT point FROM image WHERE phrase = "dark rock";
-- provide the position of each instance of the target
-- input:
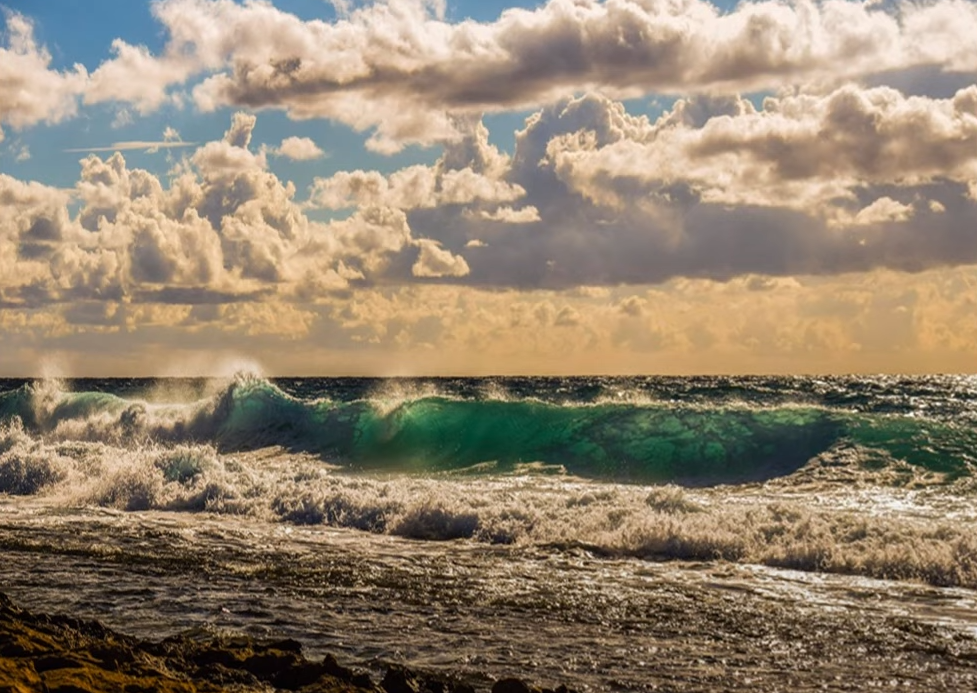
(52, 662)
(59, 654)
(300, 676)
(513, 686)
(398, 680)
(334, 668)
(363, 680)
(268, 665)
(286, 645)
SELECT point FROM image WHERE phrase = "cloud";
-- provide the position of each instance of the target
(470, 171)
(299, 149)
(886, 209)
(633, 306)
(838, 182)
(242, 126)
(399, 69)
(817, 154)
(30, 91)
(508, 215)
(435, 261)
(604, 198)
(222, 228)
(136, 145)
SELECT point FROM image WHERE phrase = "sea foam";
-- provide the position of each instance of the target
(763, 524)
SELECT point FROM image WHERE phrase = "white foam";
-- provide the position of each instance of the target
(896, 533)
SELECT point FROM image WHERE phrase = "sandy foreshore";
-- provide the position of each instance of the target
(60, 654)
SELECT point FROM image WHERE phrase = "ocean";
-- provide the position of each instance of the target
(608, 533)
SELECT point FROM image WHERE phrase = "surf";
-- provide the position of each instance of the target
(694, 443)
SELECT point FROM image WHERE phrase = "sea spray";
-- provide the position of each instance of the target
(768, 525)
(694, 443)
(840, 476)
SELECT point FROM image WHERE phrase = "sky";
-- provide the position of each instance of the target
(462, 187)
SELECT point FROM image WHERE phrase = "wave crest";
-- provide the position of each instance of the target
(691, 444)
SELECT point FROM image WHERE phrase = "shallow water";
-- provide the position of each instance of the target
(553, 615)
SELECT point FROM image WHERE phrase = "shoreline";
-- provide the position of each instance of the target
(63, 654)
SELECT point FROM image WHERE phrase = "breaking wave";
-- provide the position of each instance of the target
(689, 443)
(819, 488)
(894, 533)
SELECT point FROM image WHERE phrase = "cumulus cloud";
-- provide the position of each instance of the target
(591, 196)
(885, 209)
(435, 261)
(806, 151)
(399, 69)
(508, 215)
(135, 76)
(470, 171)
(844, 181)
(30, 91)
(299, 149)
(222, 229)
(242, 126)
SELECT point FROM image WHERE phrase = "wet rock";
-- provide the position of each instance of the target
(514, 686)
(398, 680)
(334, 668)
(58, 654)
(358, 678)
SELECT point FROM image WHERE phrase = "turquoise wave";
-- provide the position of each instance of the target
(693, 444)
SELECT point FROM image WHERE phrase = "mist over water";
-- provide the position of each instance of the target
(853, 478)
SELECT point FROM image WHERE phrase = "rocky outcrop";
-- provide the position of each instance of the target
(60, 654)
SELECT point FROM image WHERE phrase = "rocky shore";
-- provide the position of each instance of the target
(59, 654)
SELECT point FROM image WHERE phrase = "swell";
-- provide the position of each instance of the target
(693, 444)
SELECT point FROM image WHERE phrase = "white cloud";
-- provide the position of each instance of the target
(614, 199)
(342, 7)
(717, 188)
(134, 145)
(30, 91)
(242, 127)
(470, 171)
(508, 215)
(123, 118)
(882, 210)
(399, 69)
(435, 261)
(809, 152)
(299, 149)
(137, 77)
(223, 229)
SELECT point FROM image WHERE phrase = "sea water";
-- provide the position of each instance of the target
(607, 533)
